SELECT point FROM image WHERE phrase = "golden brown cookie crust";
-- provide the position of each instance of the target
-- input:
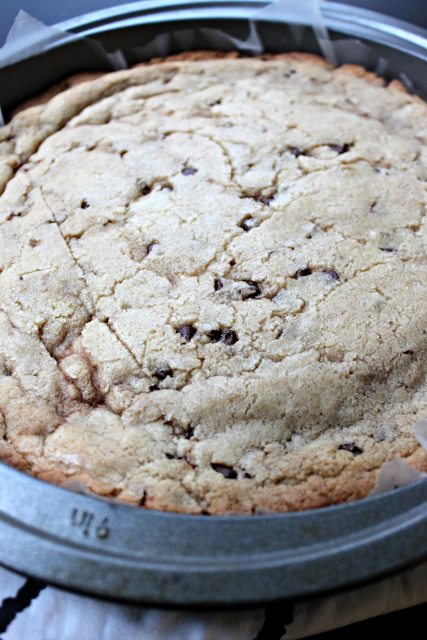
(212, 288)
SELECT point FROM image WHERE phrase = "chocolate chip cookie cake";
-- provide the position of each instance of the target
(213, 283)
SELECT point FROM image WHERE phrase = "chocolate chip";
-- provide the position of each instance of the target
(301, 273)
(166, 186)
(388, 249)
(154, 387)
(264, 200)
(143, 499)
(296, 151)
(187, 331)
(255, 291)
(189, 171)
(162, 374)
(189, 433)
(227, 472)
(340, 148)
(218, 285)
(85, 204)
(34, 243)
(289, 73)
(145, 189)
(151, 246)
(332, 275)
(353, 448)
(249, 223)
(408, 353)
(229, 337)
(170, 456)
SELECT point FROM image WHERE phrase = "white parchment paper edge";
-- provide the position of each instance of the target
(398, 473)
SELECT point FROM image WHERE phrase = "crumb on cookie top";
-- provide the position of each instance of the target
(213, 279)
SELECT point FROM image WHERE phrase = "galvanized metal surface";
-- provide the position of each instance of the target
(121, 552)
(118, 551)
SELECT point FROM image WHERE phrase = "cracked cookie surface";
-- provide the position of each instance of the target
(213, 283)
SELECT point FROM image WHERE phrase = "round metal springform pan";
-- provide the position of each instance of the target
(114, 550)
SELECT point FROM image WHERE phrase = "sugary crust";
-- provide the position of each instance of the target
(54, 90)
(128, 197)
(29, 128)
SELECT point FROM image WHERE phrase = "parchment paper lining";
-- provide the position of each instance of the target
(29, 37)
(398, 473)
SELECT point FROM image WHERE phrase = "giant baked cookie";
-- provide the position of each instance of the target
(214, 283)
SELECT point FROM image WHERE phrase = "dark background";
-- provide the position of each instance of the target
(395, 625)
(52, 11)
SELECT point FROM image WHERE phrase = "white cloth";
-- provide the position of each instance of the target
(59, 615)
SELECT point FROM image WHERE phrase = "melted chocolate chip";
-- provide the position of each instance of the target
(85, 204)
(332, 275)
(249, 223)
(162, 374)
(187, 331)
(189, 433)
(229, 337)
(218, 285)
(301, 273)
(227, 472)
(151, 246)
(264, 200)
(189, 171)
(339, 148)
(255, 291)
(353, 448)
(145, 189)
(296, 151)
